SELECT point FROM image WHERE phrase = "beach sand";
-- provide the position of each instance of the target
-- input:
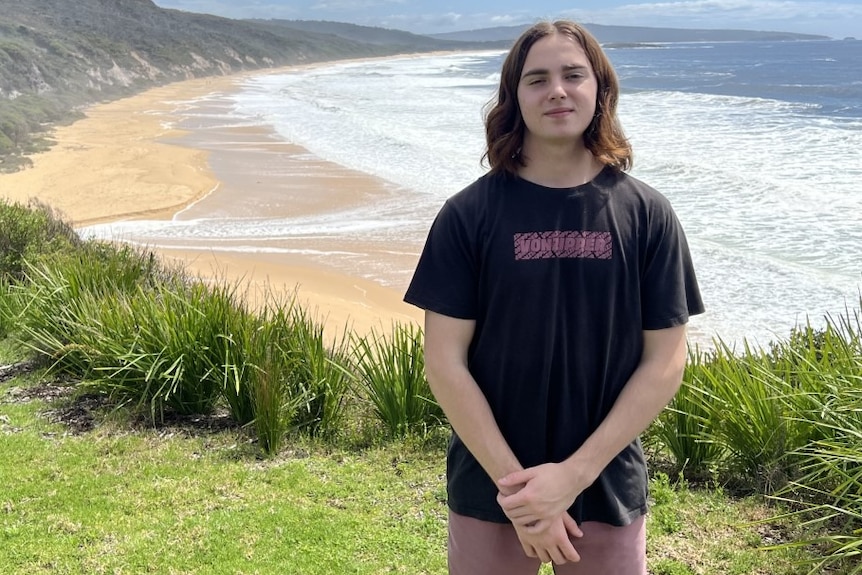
(127, 159)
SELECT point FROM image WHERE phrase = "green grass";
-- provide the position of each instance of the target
(705, 530)
(156, 501)
(137, 499)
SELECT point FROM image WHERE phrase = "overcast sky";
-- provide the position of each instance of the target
(836, 18)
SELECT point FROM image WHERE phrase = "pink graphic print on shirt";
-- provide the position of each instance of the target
(553, 245)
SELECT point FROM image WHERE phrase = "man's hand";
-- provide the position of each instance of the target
(552, 544)
(533, 496)
(550, 541)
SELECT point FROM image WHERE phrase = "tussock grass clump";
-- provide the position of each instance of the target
(264, 387)
(52, 306)
(391, 371)
(295, 381)
(686, 429)
(166, 346)
(785, 421)
(321, 374)
(31, 233)
(751, 412)
(113, 317)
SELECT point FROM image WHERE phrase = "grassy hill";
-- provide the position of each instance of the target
(57, 56)
(383, 36)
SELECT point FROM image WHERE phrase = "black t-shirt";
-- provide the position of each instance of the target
(561, 284)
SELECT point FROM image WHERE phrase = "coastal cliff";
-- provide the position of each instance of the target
(58, 56)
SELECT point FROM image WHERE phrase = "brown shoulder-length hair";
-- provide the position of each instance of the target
(504, 125)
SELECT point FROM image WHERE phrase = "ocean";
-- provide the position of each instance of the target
(758, 146)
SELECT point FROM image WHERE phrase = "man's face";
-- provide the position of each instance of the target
(557, 91)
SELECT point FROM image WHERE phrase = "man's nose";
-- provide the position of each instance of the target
(556, 88)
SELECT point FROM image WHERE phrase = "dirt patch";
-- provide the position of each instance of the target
(66, 405)
(82, 412)
(7, 372)
(172, 423)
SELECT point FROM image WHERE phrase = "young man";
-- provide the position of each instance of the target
(556, 290)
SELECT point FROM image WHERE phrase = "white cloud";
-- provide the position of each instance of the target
(423, 23)
(509, 19)
(451, 21)
(352, 5)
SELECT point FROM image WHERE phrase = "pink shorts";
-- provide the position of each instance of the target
(485, 548)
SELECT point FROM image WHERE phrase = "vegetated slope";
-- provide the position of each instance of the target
(407, 41)
(57, 55)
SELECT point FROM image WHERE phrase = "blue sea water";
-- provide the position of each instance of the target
(823, 77)
(758, 146)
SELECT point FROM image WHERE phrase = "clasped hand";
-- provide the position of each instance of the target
(537, 500)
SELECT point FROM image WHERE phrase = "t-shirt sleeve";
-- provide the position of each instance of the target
(445, 280)
(669, 288)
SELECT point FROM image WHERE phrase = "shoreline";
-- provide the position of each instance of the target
(138, 141)
(134, 158)
(149, 156)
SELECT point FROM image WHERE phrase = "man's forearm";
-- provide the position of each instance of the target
(446, 343)
(648, 391)
(470, 416)
(550, 489)
(643, 398)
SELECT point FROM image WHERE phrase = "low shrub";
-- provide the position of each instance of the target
(391, 371)
(321, 374)
(31, 233)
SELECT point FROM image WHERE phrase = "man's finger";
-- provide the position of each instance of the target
(544, 556)
(572, 526)
(516, 478)
(536, 527)
(570, 553)
(558, 556)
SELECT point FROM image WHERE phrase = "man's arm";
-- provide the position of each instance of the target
(447, 340)
(547, 489)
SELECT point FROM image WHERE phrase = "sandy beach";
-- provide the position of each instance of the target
(128, 159)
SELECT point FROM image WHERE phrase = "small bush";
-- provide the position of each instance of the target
(321, 375)
(268, 372)
(391, 373)
(31, 233)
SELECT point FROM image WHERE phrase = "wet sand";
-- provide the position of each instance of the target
(144, 157)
